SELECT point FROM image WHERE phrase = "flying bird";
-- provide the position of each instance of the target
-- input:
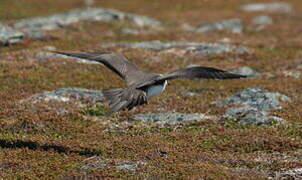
(142, 85)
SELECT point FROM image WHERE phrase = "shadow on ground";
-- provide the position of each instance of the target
(15, 144)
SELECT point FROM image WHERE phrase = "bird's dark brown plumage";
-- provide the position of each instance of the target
(139, 82)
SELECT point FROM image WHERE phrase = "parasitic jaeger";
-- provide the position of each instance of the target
(142, 85)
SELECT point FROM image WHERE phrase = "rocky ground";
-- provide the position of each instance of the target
(52, 122)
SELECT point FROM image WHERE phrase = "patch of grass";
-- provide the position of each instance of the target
(94, 111)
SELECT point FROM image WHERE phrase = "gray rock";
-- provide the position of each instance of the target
(293, 74)
(96, 163)
(255, 103)
(129, 167)
(89, 2)
(9, 35)
(282, 7)
(49, 48)
(169, 118)
(62, 101)
(74, 16)
(214, 48)
(44, 55)
(186, 47)
(101, 163)
(138, 31)
(294, 174)
(231, 25)
(35, 34)
(153, 45)
(69, 94)
(257, 98)
(262, 20)
(250, 115)
(130, 31)
(245, 70)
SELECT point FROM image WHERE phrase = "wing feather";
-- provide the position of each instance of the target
(115, 62)
(200, 72)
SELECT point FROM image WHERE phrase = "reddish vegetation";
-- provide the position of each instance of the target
(45, 145)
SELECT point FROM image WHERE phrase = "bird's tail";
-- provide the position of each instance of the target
(124, 98)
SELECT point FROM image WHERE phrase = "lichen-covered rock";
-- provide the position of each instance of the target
(245, 70)
(101, 163)
(262, 20)
(231, 25)
(44, 55)
(282, 7)
(250, 115)
(63, 100)
(56, 21)
(257, 98)
(214, 48)
(9, 35)
(256, 102)
(170, 118)
(130, 31)
(185, 47)
(136, 31)
(69, 94)
(295, 174)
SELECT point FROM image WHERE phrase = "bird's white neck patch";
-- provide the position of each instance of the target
(155, 89)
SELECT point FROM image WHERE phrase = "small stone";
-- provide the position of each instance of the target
(245, 70)
(49, 48)
(101, 163)
(231, 25)
(34, 34)
(89, 2)
(294, 74)
(225, 40)
(281, 7)
(129, 167)
(194, 92)
(130, 31)
(262, 20)
(9, 35)
(169, 118)
(45, 55)
(94, 163)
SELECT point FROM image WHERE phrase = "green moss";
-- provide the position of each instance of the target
(94, 111)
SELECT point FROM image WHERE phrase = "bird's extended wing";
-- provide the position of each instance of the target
(115, 62)
(200, 72)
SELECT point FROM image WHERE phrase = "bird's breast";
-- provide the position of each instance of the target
(153, 90)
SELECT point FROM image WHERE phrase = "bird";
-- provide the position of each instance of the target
(141, 85)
